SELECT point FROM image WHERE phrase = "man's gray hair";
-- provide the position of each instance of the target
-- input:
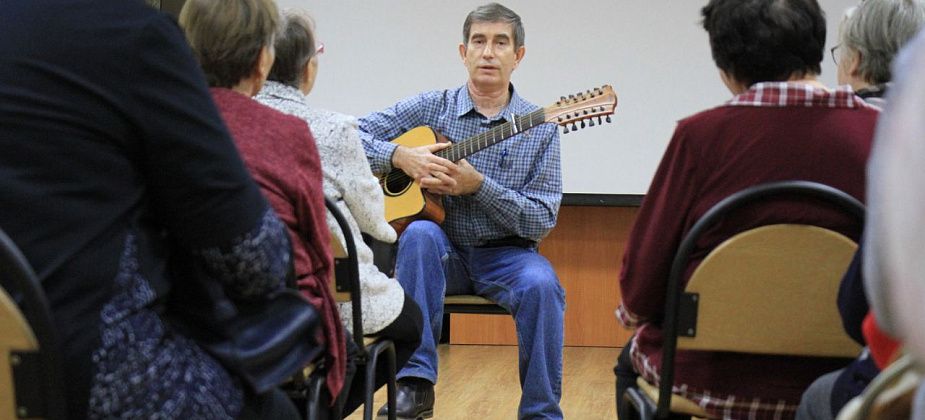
(878, 29)
(494, 12)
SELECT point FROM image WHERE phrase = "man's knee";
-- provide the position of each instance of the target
(418, 243)
(541, 280)
(421, 231)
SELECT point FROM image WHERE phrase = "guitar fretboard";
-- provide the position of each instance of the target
(469, 146)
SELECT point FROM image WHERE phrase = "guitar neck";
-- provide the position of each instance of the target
(471, 145)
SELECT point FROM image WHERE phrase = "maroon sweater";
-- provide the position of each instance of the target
(825, 138)
(281, 155)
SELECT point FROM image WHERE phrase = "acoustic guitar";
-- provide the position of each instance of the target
(405, 201)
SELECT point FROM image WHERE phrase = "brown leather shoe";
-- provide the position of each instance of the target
(413, 401)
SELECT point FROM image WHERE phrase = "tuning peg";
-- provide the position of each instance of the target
(598, 120)
(574, 127)
(607, 119)
(582, 123)
(565, 131)
(591, 122)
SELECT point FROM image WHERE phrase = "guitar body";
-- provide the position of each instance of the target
(405, 201)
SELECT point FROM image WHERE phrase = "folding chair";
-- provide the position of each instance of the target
(889, 395)
(758, 269)
(31, 385)
(347, 288)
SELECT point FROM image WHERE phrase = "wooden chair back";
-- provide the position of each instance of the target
(771, 290)
(31, 383)
(17, 338)
(346, 281)
(340, 262)
(678, 320)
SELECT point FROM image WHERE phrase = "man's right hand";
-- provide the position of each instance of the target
(419, 162)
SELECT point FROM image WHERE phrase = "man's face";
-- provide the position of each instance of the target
(490, 55)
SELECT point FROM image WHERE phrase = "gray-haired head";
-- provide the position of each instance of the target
(494, 12)
(878, 29)
(295, 46)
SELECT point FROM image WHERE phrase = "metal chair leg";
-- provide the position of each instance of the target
(370, 385)
(313, 402)
(391, 388)
(373, 351)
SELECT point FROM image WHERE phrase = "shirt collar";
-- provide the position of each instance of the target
(281, 91)
(790, 94)
(516, 105)
(874, 91)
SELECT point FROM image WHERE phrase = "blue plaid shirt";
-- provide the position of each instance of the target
(523, 179)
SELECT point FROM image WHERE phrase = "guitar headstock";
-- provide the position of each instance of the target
(574, 109)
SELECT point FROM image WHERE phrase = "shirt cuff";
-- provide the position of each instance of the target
(381, 160)
(489, 191)
(627, 318)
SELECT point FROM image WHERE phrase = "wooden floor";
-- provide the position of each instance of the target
(481, 382)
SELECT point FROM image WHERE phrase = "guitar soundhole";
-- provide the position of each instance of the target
(396, 183)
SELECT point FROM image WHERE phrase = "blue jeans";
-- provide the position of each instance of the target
(522, 281)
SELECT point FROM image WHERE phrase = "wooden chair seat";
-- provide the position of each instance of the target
(466, 300)
(471, 304)
(679, 404)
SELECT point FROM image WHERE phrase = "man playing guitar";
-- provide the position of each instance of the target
(499, 204)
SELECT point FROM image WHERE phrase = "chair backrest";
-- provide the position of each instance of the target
(730, 259)
(31, 383)
(339, 283)
(347, 265)
(771, 290)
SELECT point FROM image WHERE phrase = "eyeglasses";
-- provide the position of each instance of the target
(835, 56)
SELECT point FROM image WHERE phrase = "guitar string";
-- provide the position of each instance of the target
(535, 118)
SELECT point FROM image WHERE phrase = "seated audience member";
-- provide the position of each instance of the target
(233, 40)
(781, 124)
(870, 35)
(893, 254)
(387, 311)
(114, 156)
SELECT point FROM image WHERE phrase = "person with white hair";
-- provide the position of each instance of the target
(870, 36)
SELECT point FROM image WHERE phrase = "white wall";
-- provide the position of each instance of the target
(654, 53)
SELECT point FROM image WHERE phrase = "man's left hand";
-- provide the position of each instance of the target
(457, 179)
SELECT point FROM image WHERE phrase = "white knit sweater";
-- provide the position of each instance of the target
(349, 181)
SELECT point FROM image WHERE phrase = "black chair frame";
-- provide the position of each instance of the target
(38, 380)
(366, 356)
(674, 289)
(453, 308)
